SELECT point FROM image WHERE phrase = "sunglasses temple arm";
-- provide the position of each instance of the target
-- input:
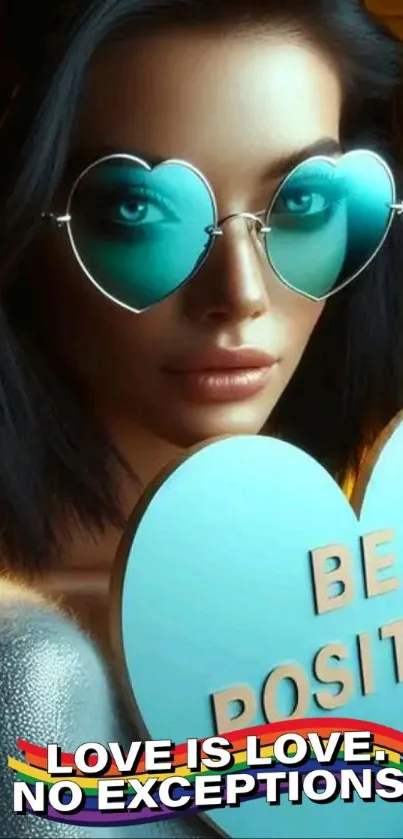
(398, 208)
(59, 221)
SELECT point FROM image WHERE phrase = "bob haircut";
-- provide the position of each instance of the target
(57, 466)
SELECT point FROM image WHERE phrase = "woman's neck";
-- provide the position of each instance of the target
(81, 582)
(146, 455)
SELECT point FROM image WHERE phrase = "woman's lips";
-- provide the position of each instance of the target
(222, 375)
(220, 385)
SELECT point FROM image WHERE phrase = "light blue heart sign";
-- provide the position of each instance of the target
(249, 590)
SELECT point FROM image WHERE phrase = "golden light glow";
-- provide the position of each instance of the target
(391, 11)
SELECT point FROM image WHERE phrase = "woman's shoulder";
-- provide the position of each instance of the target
(44, 648)
(54, 688)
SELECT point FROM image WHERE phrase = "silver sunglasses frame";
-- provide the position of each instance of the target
(65, 220)
(395, 207)
(260, 220)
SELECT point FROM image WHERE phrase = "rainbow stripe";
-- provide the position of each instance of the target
(33, 768)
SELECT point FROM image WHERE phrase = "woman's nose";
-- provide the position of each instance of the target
(232, 285)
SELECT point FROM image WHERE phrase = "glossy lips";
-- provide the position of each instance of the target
(219, 375)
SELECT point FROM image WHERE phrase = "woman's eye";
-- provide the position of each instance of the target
(135, 211)
(124, 210)
(302, 202)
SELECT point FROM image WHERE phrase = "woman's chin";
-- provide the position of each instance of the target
(194, 427)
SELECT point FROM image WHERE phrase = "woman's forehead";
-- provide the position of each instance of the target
(210, 98)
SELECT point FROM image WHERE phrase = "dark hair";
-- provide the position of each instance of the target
(56, 463)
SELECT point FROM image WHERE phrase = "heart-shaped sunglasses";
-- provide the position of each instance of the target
(140, 232)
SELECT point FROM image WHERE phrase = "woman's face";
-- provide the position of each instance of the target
(239, 108)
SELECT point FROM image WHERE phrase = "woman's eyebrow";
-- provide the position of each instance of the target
(327, 146)
(81, 158)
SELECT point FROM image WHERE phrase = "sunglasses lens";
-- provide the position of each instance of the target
(327, 221)
(138, 233)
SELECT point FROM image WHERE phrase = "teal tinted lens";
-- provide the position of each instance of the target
(139, 233)
(328, 221)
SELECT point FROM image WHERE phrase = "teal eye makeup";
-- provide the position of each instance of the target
(141, 232)
(327, 221)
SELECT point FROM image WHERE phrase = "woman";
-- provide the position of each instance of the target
(150, 300)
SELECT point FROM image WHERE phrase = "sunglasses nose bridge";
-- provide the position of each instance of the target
(254, 223)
